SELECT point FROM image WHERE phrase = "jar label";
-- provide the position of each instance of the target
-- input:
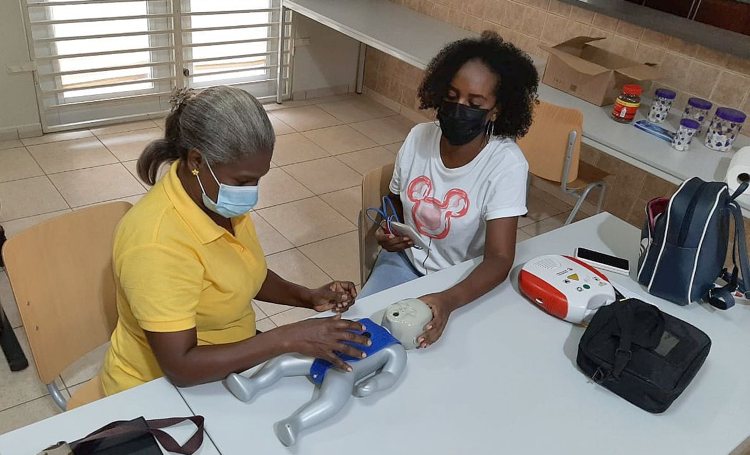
(624, 110)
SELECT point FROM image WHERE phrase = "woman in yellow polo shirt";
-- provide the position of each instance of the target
(187, 259)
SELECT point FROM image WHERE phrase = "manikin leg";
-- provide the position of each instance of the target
(334, 393)
(283, 366)
(394, 365)
(385, 366)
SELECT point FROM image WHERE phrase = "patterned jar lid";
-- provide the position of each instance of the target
(690, 123)
(700, 103)
(665, 93)
(731, 115)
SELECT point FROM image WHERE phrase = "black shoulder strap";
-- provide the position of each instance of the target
(741, 189)
(123, 427)
(740, 246)
(624, 316)
(722, 297)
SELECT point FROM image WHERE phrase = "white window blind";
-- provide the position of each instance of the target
(101, 61)
(233, 42)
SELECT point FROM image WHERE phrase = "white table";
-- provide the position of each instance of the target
(381, 24)
(503, 380)
(416, 38)
(386, 26)
(154, 400)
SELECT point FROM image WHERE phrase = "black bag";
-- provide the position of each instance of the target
(642, 354)
(131, 437)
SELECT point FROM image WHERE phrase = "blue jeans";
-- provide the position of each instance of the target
(390, 269)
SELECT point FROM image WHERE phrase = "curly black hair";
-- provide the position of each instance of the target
(516, 90)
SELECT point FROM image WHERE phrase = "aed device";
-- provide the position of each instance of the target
(565, 287)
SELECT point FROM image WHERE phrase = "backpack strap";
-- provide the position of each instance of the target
(741, 246)
(741, 189)
(722, 297)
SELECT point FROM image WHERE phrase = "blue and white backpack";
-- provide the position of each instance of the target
(684, 244)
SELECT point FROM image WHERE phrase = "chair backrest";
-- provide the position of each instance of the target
(374, 186)
(60, 272)
(546, 143)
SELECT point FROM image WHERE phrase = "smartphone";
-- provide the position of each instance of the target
(603, 261)
(408, 231)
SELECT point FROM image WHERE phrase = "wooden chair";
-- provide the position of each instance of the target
(61, 274)
(374, 186)
(553, 147)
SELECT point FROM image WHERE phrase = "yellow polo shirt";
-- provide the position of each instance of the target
(176, 269)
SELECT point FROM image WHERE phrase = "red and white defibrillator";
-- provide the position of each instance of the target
(565, 287)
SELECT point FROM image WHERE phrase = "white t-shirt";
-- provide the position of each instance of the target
(450, 207)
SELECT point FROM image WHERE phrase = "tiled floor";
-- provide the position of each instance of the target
(306, 217)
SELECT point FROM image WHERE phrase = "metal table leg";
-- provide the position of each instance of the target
(8, 341)
(280, 55)
(361, 68)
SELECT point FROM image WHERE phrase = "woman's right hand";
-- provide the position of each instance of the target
(323, 338)
(391, 242)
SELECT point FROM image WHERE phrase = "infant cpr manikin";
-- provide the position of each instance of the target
(384, 364)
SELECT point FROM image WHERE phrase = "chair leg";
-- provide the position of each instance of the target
(17, 360)
(2, 242)
(581, 198)
(57, 396)
(602, 191)
(361, 240)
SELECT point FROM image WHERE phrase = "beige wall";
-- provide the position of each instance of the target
(690, 69)
(17, 96)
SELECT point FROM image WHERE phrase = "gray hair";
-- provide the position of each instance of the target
(225, 124)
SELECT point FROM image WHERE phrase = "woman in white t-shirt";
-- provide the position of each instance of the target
(461, 182)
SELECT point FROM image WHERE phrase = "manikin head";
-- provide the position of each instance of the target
(406, 320)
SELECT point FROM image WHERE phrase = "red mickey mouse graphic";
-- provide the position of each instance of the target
(432, 216)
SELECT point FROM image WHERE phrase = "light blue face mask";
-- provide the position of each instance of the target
(231, 201)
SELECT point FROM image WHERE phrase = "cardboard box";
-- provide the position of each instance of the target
(592, 73)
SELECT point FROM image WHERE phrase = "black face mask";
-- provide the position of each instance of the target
(461, 123)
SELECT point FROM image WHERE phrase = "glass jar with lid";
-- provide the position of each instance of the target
(697, 109)
(724, 128)
(684, 134)
(663, 99)
(627, 104)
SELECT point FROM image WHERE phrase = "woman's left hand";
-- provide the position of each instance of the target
(441, 311)
(336, 296)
